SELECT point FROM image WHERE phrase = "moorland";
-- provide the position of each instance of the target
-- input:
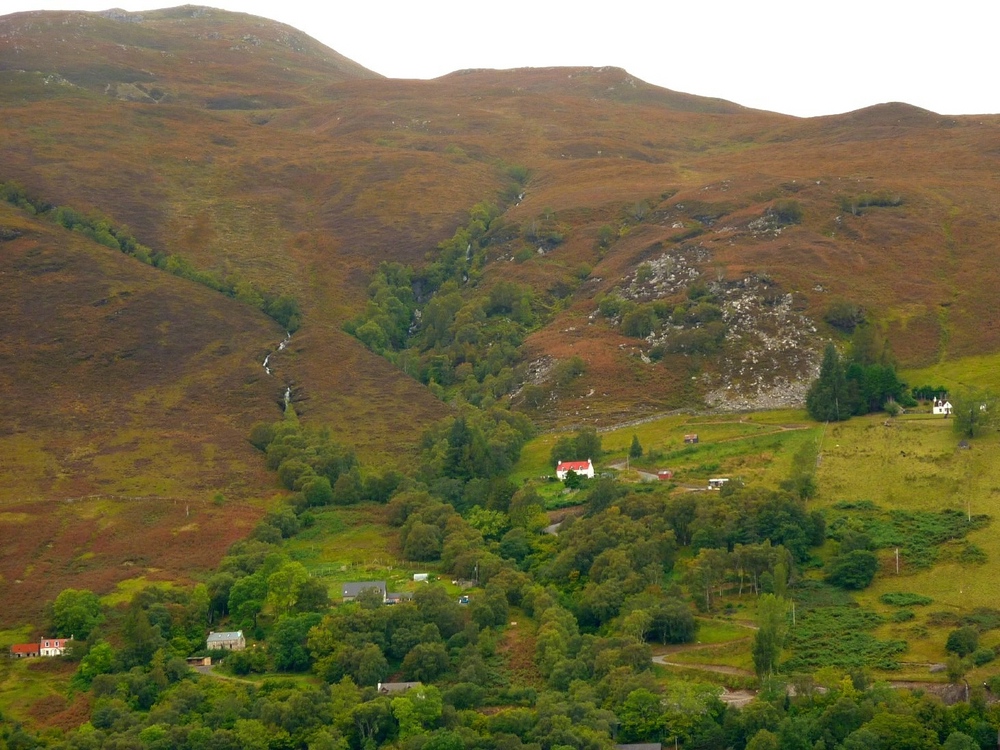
(274, 323)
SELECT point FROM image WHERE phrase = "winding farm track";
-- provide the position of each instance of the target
(740, 697)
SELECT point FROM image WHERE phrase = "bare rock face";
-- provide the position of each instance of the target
(761, 353)
(771, 353)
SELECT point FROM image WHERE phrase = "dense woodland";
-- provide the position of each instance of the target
(589, 603)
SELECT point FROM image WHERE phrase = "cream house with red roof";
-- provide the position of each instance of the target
(580, 468)
(53, 646)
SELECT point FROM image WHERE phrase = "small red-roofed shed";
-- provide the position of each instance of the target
(24, 650)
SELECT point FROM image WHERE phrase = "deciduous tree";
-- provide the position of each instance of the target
(76, 612)
(974, 411)
(772, 627)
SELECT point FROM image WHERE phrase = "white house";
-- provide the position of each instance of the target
(53, 646)
(941, 406)
(226, 641)
(581, 468)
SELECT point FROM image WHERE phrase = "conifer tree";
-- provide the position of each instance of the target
(829, 398)
(635, 451)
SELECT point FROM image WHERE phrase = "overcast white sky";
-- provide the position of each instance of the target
(800, 57)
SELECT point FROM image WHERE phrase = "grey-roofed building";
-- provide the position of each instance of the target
(351, 590)
(230, 641)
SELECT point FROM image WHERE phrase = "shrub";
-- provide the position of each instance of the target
(972, 555)
(639, 323)
(245, 662)
(837, 636)
(855, 570)
(786, 212)
(941, 618)
(703, 340)
(568, 370)
(261, 435)
(857, 203)
(854, 540)
(524, 254)
(844, 315)
(905, 599)
(962, 641)
(519, 173)
(983, 619)
(983, 656)
(903, 615)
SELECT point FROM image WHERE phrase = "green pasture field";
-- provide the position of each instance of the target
(913, 464)
(756, 446)
(355, 544)
(125, 590)
(734, 654)
(981, 371)
(721, 631)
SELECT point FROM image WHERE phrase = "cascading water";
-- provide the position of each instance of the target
(281, 346)
(266, 364)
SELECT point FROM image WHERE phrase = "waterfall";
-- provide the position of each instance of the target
(281, 347)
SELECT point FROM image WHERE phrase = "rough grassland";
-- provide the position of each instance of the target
(981, 371)
(757, 447)
(914, 464)
(354, 544)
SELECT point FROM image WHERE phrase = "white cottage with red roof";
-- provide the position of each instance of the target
(580, 468)
(53, 646)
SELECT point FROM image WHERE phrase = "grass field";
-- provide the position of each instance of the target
(981, 371)
(757, 447)
(354, 544)
(915, 464)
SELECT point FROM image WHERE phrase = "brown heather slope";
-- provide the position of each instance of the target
(252, 151)
(130, 394)
(307, 197)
